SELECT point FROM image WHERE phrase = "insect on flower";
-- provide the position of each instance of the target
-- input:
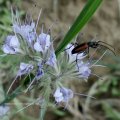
(84, 47)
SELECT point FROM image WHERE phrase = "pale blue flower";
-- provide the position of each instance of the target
(27, 31)
(84, 69)
(43, 42)
(3, 110)
(58, 96)
(63, 95)
(67, 94)
(12, 45)
(25, 69)
(38, 47)
(40, 72)
(52, 57)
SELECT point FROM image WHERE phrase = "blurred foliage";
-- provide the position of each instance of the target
(110, 112)
(5, 16)
(7, 63)
(112, 85)
(110, 91)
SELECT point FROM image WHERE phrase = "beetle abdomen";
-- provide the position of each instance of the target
(80, 48)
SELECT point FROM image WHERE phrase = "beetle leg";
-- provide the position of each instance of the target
(68, 48)
(77, 61)
(88, 52)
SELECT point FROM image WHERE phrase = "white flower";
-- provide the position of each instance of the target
(25, 69)
(12, 45)
(3, 110)
(42, 43)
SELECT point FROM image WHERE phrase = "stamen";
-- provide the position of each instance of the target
(96, 76)
(27, 106)
(38, 19)
(42, 28)
(30, 84)
(91, 57)
(100, 66)
(12, 15)
(3, 55)
(84, 95)
(98, 59)
(12, 84)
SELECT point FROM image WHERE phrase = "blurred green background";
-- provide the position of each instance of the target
(105, 23)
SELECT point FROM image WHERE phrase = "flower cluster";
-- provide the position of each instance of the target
(49, 71)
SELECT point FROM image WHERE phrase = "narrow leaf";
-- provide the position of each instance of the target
(79, 23)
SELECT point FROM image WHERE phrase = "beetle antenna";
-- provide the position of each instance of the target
(109, 49)
(105, 44)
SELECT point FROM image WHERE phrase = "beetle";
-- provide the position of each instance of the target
(84, 47)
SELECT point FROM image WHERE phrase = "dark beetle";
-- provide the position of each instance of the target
(84, 47)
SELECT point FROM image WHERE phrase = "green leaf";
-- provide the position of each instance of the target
(79, 23)
(18, 91)
(111, 112)
(11, 96)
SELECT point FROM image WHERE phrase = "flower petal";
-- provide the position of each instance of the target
(38, 47)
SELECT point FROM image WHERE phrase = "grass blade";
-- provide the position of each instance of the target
(79, 23)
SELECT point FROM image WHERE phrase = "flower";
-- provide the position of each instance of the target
(40, 71)
(3, 110)
(52, 58)
(26, 31)
(42, 43)
(25, 69)
(12, 45)
(58, 96)
(84, 69)
(63, 94)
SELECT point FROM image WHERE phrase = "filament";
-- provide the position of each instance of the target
(12, 84)
(98, 59)
(30, 85)
(84, 95)
(38, 18)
